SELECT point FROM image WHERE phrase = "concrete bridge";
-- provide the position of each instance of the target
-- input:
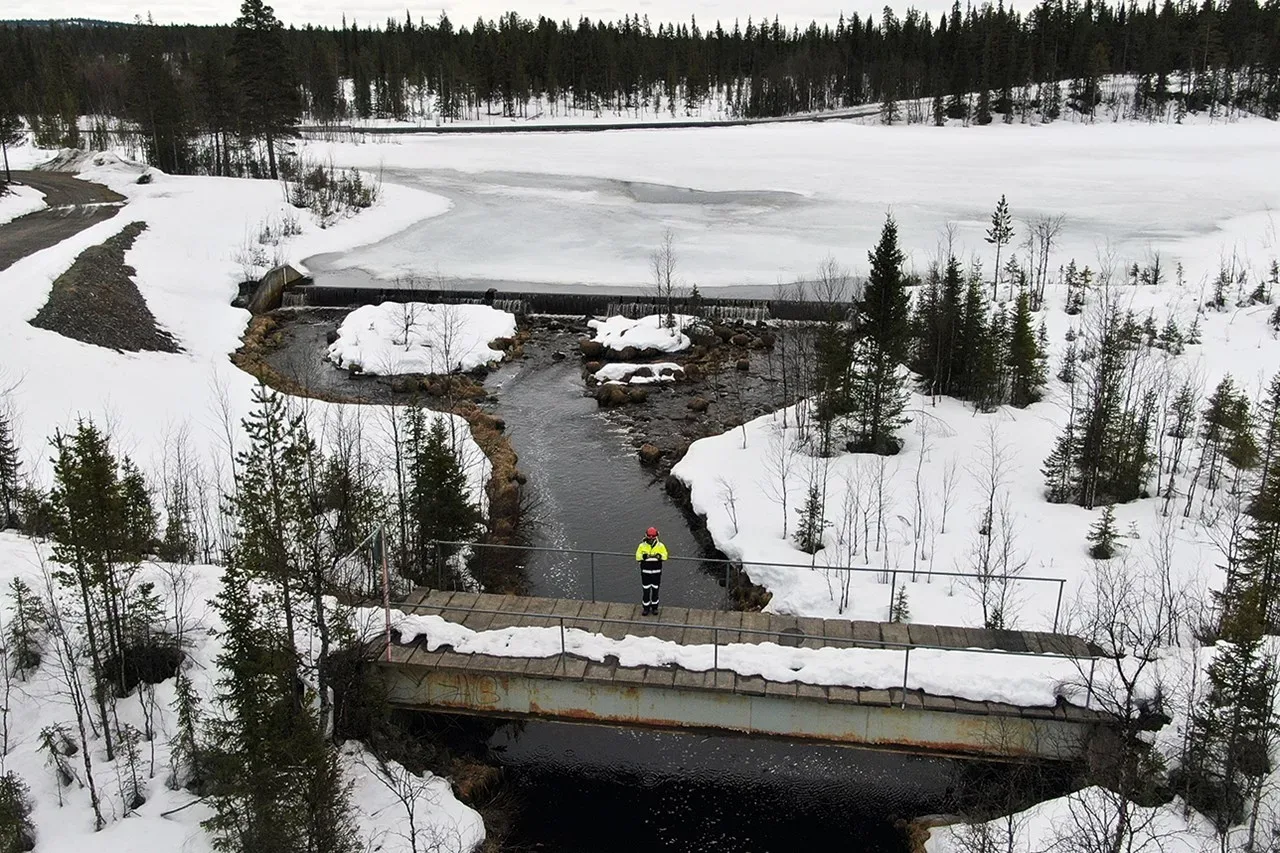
(566, 687)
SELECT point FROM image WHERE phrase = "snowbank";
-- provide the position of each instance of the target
(19, 201)
(639, 374)
(1045, 825)
(417, 337)
(647, 333)
(996, 677)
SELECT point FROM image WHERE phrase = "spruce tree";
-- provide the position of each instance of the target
(27, 625)
(440, 507)
(269, 105)
(1026, 357)
(1260, 545)
(10, 475)
(185, 752)
(878, 389)
(1102, 536)
(1000, 232)
(157, 105)
(808, 535)
(17, 834)
(1231, 729)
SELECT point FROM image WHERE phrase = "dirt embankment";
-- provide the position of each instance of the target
(96, 301)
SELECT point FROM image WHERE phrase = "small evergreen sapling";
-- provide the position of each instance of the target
(808, 535)
(26, 626)
(1102, 536)
(901, 609)
(10, 470)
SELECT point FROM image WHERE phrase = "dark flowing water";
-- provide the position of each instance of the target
(597, 789)
(590, 493)
(602, 789)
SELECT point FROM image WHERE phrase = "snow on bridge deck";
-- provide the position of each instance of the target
(568, 686)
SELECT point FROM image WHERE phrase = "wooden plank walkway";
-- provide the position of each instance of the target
(680, 624)
(487, 612)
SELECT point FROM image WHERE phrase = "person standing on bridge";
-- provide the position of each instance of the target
(650, 556)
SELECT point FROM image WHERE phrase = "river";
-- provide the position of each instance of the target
(590, 493)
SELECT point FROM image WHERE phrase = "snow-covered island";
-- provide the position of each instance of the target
(417, 337)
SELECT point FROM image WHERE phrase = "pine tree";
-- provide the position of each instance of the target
(10, 475)
(808, 535)
(1102, 536)
(1000, 232)
(878, 389)
(269, 105)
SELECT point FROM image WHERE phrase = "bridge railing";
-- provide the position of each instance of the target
(732, 568)
(781, 637)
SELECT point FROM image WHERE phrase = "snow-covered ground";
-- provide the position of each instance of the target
(203, 236)
(188, 263)
(758, 205)
(934, 489)
(639, 374)
(646, 333)
(19, 201)
(1046, 825)
(417, 337)
(169, 820)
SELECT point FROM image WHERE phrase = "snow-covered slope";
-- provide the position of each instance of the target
(169, 820)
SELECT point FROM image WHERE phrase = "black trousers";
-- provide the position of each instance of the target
(650, 581)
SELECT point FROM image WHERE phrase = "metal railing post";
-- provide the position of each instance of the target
(1057, 608)
(386, 585)
(439, 567)
(906, 665)
(893, 582)
(593, 577)
(715, 649)
(562, 647)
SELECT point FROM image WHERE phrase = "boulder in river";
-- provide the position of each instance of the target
(611, 395)
(743, 364)
(591, 349)
(638, 395)
(649, 454)
(698, 404)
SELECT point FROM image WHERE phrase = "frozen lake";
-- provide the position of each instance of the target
(759, 205)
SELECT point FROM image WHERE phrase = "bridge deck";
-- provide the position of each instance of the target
(687, 626)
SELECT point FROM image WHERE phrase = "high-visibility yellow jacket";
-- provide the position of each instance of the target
(656, 551)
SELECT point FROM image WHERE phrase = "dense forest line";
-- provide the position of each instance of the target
(190, 82)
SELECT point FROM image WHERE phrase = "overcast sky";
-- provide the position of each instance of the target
(329, 12)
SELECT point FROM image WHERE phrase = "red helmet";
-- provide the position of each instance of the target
(652, 533)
